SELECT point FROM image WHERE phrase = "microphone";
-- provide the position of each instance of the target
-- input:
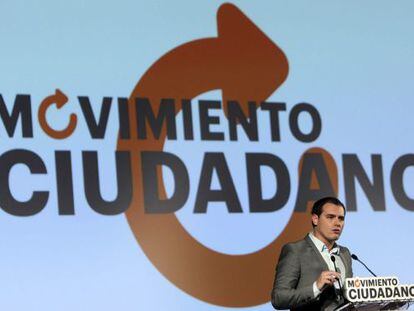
(336, 270)
(355, 257)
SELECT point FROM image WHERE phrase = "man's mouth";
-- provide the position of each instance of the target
(337, 231)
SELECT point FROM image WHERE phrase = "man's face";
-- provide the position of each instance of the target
(330, 223)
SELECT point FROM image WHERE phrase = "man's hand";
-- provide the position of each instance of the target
(327, 278)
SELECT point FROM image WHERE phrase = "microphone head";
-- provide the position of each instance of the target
(355, 257)
(333, 258)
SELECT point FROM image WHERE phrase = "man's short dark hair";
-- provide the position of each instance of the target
(317, 207)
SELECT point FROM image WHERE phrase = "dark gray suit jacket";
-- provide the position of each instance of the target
(300, 264)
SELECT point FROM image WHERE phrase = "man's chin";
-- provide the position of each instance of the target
(335, 237)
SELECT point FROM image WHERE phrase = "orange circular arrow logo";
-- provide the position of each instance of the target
(59, 99)
(247, 66)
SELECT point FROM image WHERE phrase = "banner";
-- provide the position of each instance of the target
(157, 155)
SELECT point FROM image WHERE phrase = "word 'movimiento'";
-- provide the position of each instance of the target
(156, 116)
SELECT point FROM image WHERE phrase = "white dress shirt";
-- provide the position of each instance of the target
(326, 255)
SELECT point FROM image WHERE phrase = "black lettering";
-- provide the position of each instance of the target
(254, 162)
(404, 291)
(123, 116)
(371, 293)
(313, 163)
(352, 294)
(165, 115)
(36, 166)
(411, 291)
(206, 120)
(236, 116)
(374, 190)
(391, 294)
(151, 162)
(187, 119)
(96, 129)
(366, 292)
(227, 193)
(91, 182)
(397, 181)
(381, 293)
(294, 122)
(64, 183)
(274, 109)
(22, 107)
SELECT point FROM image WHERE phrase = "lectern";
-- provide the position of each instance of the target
(377, 293)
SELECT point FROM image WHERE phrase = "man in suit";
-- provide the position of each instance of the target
(306, 276)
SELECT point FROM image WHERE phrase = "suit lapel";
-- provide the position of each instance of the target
(317, 253)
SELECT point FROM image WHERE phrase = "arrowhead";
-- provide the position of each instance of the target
(60, 99)
(255, 66)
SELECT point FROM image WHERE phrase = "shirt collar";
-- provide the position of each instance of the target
(322, 247)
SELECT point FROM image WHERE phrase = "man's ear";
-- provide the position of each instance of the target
(315, 219)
